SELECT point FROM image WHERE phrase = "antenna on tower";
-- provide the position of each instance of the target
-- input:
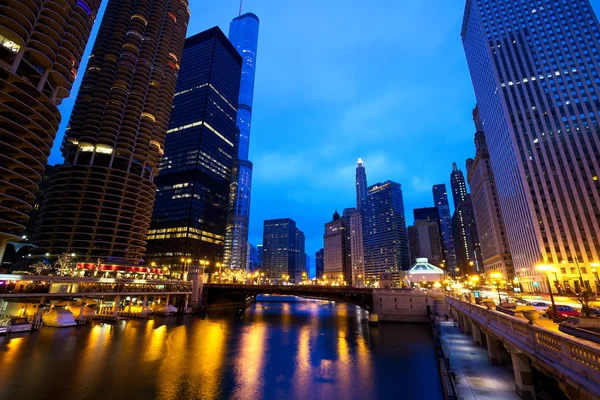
(241, 1)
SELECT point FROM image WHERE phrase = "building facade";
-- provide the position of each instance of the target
(385, 240)
(425, 241)
(440, 200)
(301, 266)
(190, 212)
(458, 185)
(320, 263)
(466, 239)
(99, 203)
(336, 251)
(40, 52)
(488, 216)
(243, 34)
(361, 183)
(357, 254)
(535, 74)
(279, 249)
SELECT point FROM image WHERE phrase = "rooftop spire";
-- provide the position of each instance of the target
(454, 167)
(360, 162)
(241, 1)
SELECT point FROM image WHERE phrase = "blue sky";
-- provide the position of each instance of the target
(385, 80)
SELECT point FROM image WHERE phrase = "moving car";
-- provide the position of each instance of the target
(564, 312)
(539, 305)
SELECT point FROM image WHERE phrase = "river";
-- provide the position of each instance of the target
(295, 349)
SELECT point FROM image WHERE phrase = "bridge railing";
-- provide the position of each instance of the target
(567, 353)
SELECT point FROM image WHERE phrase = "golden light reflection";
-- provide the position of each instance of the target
(208, 359)
(303, 371)
(345, 362)
(250, 363)
(91, 358)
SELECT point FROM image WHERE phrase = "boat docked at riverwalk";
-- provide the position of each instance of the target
(15, 324)
(59, 318)
(163, 309)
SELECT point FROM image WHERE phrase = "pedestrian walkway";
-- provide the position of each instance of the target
(476, 378)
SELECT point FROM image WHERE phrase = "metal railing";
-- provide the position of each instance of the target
(576, 358)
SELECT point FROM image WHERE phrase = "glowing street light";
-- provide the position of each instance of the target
(547, 269)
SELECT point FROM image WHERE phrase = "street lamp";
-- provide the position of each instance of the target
(547, 269)
(219, 265)
(496, 276)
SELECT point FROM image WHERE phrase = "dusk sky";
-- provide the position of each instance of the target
(384, 80)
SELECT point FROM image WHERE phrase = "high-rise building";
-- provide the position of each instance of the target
(430, 214)
(190, 212)
(99, 203)
(259, 254)
(490, 225)
(41, 45)
(320, 263)
(357, 254)
(385, 240)
(466, 239)
(534, 68)
(299, 249)
(336, 255)
(440, 200)
(458, 185)
(243, 33)
(279, 248)
(361, 183)
(425, 242)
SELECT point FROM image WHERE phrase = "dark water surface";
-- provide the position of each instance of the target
(304, 349)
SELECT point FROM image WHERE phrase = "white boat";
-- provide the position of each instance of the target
(59, 318)
(163, 309)
(19, 325)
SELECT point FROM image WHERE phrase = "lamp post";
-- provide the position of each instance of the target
(581, 284)
(496, 276)
(546, 269)
(219, 265)
(595, 266)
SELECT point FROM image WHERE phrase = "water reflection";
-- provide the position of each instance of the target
(294, 349)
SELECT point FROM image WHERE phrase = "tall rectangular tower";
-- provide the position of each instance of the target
(440, 200)
(385, 239)
(534, 68)
(488, 216)
(458, 185)
(99, 202)
(243, 33)
(279, 248)
(190, 212)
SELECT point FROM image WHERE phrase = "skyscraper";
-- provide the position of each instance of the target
(535, 71)
(466, 239)
(299, 249)
(430, 214)
(336, 256)
(243, 33)
(40, 51)
(458, 185)
(384, 230)
(361, 183)
(490, 225)
(357, 254)
(99, 203)
(320, 263)
(425, 242)
(440, 200)
(190, 212)
(279, 248)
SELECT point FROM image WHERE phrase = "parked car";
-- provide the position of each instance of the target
(540, 306)
(564, 312)
(594, 313)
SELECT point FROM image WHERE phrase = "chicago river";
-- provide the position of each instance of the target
(295, 349)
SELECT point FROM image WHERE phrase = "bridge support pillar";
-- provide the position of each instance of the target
(523, 376)
(493, 348)
(116, 307)
(476, 333)
(461, 322)
(467, 325)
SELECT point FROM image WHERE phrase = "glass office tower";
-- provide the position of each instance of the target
(440, 200)
(534, 67)
(243, 34)
(385, 240)
(190, 212)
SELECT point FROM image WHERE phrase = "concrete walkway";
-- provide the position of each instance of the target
(476, 378)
